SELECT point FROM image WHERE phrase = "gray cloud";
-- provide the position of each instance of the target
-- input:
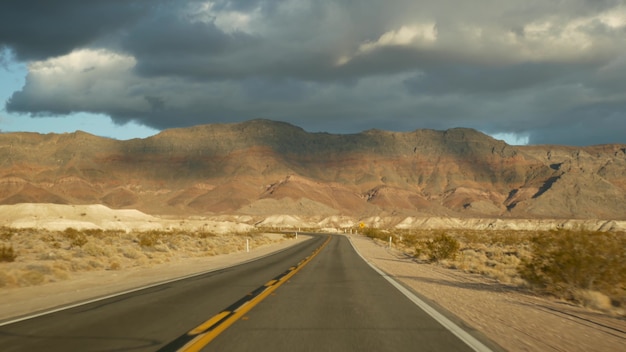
(36, 29)
(589, 123)
(475, 80)
(553, 71)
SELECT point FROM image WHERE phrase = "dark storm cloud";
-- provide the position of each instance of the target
(587, 123)
(553, 71)
(171, 45)
(474, 80)
(38, 29)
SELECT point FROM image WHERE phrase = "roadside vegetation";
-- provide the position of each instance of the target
(586, 267)
(33, 256)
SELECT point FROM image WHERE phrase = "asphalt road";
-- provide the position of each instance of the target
(335, 302)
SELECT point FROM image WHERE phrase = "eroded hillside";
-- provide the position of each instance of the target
(264, 167)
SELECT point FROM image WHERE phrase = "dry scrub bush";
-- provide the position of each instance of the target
(583, 266)
(495, 254)
(97, 233)
(7, 280)
(409, 240)
(130, 253)
(73, 251)
(149, 239)
(441, 247)
(206, 234)
(115, 265)
(7, 254)
(163, 241)
(31, 278)
(375, 233)
(97, 249)
(6, 233)
(594, 299)
(565, 262)
(76, 238)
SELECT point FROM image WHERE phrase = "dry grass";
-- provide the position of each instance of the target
(33, 256)
(578, 265)
(585, 267)
(7, 254)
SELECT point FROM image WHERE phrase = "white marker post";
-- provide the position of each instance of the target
(247, 245)
(389, 241)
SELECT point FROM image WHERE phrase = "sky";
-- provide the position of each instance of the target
(526, 71)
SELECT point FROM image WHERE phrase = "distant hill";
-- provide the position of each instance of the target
(263, 167)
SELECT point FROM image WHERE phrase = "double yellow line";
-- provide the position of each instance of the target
(204, 333)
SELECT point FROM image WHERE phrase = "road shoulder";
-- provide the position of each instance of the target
(505, 314)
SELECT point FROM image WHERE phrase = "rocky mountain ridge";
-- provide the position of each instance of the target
(263, 167)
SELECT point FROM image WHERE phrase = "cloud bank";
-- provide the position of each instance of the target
(552, 71)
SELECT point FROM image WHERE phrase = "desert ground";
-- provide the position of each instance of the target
(67, 254)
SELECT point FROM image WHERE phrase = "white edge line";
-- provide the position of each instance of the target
(468, 339)
(82, 303)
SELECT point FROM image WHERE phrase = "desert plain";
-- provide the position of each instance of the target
(67, 254)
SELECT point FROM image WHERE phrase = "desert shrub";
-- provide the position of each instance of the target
(115, 265)
(441, 247)
(130, 253)
(31, 278)
(510, 238)
(564, 262)
(375, 233)
(76, 238)
(60, 272)
(48, 238)
(95, 264)
(409, 240)
(7, 280)
(7, 254)
(94, 232)
(205, 234)
(43, 269)
(97, 250)
(161, 247)
(149, 239)
(593, 299)
(6, 233)
(474, 237)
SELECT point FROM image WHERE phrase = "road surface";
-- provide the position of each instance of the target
(333, 302)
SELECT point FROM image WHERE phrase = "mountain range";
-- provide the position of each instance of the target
(263, 167)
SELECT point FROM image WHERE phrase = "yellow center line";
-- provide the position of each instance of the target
(204, 339)
(270, 283)
(207, 324)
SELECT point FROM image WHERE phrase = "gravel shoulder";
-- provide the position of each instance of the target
(511, 317)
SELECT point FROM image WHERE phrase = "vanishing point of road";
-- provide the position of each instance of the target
(318, 295)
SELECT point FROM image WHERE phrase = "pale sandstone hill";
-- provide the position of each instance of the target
(262, 167)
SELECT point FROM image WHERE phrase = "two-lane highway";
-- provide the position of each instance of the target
(332, 302)
(337, 303)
